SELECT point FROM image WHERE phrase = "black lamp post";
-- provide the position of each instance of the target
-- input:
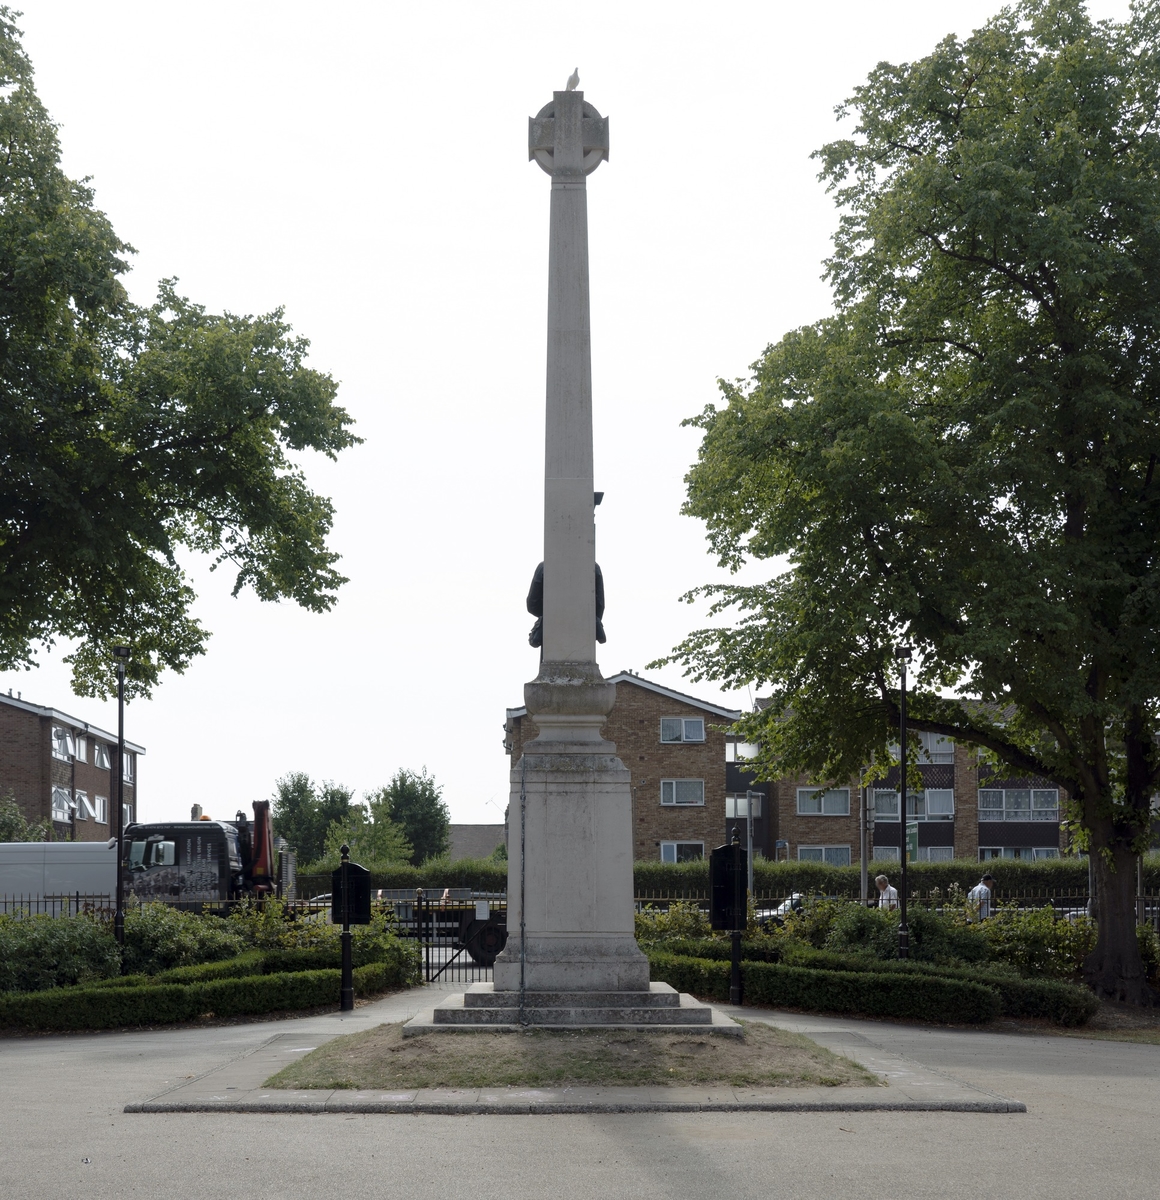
(902, 653)
(120, 654)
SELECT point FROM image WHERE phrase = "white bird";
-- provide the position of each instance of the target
(573, 80)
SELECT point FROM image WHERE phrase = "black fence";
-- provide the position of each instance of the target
(68, 904)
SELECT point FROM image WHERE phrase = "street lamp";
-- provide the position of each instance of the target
(120, 654)
(902, 653)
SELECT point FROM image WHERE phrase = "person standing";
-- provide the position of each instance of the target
(980, 895)
(887, 895)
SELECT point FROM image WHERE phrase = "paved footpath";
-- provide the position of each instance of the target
(1090, 1127)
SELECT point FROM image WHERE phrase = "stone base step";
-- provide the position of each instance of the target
(659, 995)
(425, 1023)
(660, 1008)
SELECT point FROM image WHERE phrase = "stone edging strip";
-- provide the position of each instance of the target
(570, 1101)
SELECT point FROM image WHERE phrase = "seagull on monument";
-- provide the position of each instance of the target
(573, 80)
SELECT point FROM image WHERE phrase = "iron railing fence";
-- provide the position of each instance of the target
(460, 936)
(66, 904)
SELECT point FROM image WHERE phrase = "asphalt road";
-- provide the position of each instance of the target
(1092, 1128)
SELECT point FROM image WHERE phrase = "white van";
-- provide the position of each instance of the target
(34, 871)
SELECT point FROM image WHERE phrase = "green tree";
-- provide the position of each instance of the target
(303, 813)
(371, 835)
(964, 457)
(15, 828)
(415, 803)
(129, 434)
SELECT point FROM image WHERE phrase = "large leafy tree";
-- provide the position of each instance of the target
(304, 812)
(129, 433)
(372, 837)
(964, 456)
(415, 803)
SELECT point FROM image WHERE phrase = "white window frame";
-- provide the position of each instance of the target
(1047, 813)
(987, 853)
(688, 730)
(914, 802)
(736, 752)
(128, 766)
(945, 853)
(933, 748)
(822, 795)
(101, 758)
(85, 810)
(887, 854)
(737, 805)
(63, 752)
(673, 788)
(62, 804)
(82, 748)
(127, 814)
(670, 849)
(825, 850)
(101, 809)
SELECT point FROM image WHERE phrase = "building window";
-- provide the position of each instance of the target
(62, 804)
(101, 809)
(682, 791)
(1023, 852)
(740, 751)
(85, 811)
(679, 852)
(936, 853)
(934, 804)
(738, 806)
(82, 749)
(101, 755)
(63, 744)
(1018, 804)
(823, 802)
(832, 856)
(127, 768)
(127, 813)
(682, 729)
(932, 748)
(886, 854)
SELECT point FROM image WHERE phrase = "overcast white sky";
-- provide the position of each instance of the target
(365, 166)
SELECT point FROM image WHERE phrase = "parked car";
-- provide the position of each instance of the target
(774, 918)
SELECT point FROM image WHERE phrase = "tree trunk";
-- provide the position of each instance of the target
(1114, 969)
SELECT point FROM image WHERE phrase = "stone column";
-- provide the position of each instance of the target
(571, 805)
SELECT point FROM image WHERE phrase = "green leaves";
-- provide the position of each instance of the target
(128, 433)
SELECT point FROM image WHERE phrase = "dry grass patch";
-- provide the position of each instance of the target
(382, 1059)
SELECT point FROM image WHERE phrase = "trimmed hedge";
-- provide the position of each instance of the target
(157, 1003)
(916, 997)
(1052, 999)
(1043, 877)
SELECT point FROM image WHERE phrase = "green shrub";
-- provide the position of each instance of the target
(916, 996)
(154, 1002)
(1149, 952)
(870, 931)
(41, 951)
(1038, 942)
(1053, 1000)
(158, 937)
(682, 919)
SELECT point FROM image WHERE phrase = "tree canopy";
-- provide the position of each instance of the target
(128, 433)
(304, 812)
(963, 456)
(415, 803)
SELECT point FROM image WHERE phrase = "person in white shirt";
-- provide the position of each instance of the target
(887, 896)
(980, 894)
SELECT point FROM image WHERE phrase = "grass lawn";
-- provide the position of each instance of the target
(382, 1058)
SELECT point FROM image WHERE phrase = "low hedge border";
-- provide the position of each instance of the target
(164, 1003)
(1054, 1000)
(879, 994)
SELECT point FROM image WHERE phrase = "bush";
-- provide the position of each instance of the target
(1038, 942)
(158, 937)
(1053, 1000)
(683, 919)
(45, 952)
(922, 997)
(1149, 952)
(153, 1002)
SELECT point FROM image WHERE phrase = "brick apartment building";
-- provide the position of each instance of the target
(60, 768)
(690, 779)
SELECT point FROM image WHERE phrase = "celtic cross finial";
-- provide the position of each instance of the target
(568, 136)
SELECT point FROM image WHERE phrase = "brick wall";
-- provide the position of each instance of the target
(812, 830)
(29, 770)
(634, 725)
